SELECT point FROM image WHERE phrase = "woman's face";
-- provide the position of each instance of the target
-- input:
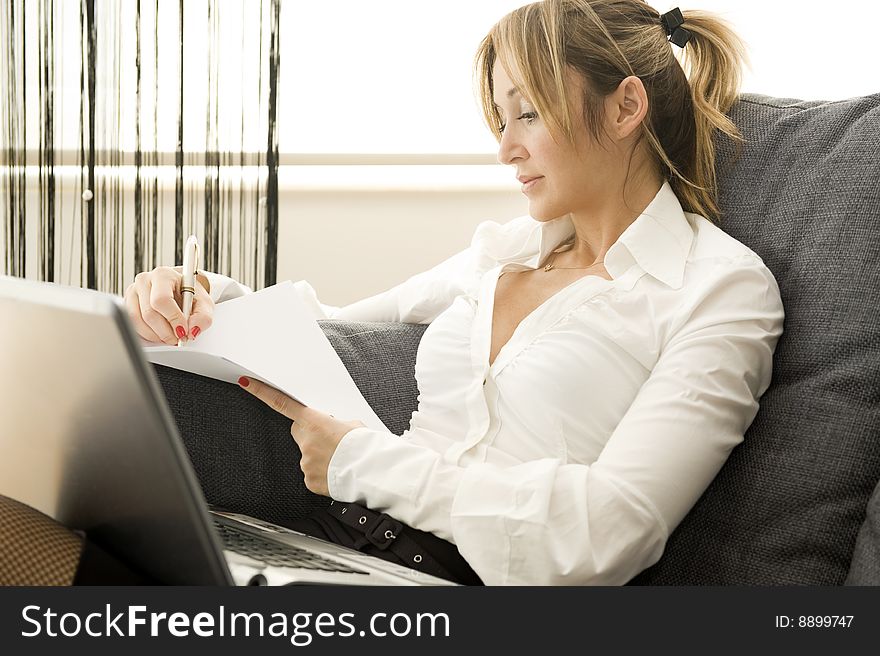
(558, 179)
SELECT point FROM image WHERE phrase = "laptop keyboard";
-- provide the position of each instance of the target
(276, 553)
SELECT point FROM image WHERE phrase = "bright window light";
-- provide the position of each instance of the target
(394, 76)
(387, 76)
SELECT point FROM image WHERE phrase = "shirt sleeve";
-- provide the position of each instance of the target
(424, 296)
(547, 522)
(419, 299)
(224, 288)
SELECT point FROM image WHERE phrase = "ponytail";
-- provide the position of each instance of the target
(712, 60)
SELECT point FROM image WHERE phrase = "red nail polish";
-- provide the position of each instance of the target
(195, 332)
(244, 382)
(181, 332)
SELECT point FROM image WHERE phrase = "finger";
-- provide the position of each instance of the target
(202, 313)
(275, 399)
(293, 433)
(134, 315)
(150, 315)
(162, 299)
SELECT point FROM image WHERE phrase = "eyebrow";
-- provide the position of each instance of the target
(513, 91)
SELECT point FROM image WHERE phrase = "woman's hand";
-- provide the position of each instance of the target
(154, 306)
(317, 434)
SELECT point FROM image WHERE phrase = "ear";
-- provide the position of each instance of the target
(626, 107)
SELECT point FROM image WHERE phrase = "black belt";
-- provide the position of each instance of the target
(385, 532)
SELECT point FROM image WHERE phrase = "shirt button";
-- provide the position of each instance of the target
(484, 382)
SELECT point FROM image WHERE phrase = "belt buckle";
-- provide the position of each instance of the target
(383, 531)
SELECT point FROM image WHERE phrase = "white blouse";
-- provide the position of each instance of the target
(601, 421)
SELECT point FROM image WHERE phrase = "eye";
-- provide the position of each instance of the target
(528, 117)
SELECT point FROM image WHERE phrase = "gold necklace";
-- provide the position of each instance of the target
(552, 266)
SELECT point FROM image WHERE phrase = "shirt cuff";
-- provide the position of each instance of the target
(309, 297)
(388, 474)
(224, 288)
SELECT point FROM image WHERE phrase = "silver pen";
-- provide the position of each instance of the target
(188, 288)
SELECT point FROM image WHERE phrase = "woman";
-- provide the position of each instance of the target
(588, 368)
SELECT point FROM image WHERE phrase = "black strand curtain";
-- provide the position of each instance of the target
(126, 126)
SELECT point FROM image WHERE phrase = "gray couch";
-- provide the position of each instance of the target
(789, 507)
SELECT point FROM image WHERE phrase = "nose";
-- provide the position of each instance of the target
(510, 148)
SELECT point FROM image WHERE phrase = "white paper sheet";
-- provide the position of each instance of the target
(271, 336)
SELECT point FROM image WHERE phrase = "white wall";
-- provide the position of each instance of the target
(352, 244)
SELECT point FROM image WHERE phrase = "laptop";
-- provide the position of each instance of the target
(86, 437)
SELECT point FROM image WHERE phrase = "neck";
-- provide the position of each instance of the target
(599, 228)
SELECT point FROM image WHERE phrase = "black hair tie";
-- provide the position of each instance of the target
(672, 22)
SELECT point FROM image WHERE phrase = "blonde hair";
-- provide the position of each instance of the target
(605, 41)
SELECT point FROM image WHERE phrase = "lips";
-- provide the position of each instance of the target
(528, 182)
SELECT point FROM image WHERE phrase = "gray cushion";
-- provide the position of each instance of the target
(787, 507)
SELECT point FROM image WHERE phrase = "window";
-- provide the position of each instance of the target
(394, 76)
(382, 77)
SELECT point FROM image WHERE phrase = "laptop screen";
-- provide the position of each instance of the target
(87, 438)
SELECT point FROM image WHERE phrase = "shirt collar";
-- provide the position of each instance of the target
(659, 240)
